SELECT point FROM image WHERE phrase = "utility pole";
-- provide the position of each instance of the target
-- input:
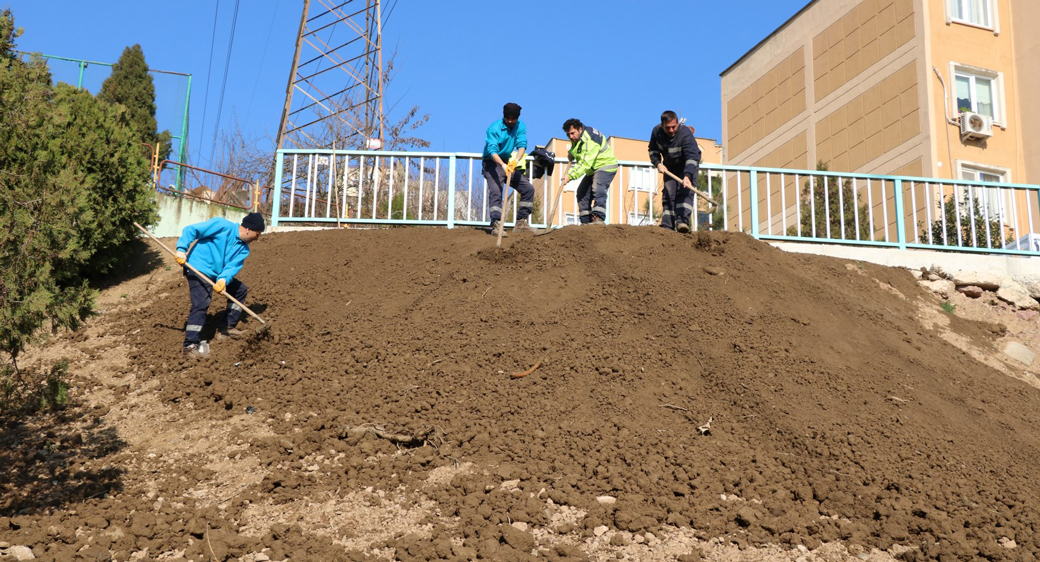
(292, 75)
(336, 79)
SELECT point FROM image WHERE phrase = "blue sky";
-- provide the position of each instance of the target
(613, 64)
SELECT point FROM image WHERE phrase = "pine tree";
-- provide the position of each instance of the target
(73, 178)
(823, 208)
(40, 250)
(131, 85)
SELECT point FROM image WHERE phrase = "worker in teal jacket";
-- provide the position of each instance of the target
(220, 250)
(505, 143)
(592, 160)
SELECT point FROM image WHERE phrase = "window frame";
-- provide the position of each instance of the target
(647, 175)
(639, 219)
(994, 16)
(997, 80)
(977, 168)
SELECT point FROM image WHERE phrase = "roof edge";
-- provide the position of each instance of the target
(768, 37)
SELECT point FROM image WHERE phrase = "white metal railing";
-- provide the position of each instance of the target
(448, 189)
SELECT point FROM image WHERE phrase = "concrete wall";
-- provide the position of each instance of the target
(1012, 266)
(177, 212)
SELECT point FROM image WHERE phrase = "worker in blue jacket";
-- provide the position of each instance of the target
(673, 148)
(505, 143)
(220, 250)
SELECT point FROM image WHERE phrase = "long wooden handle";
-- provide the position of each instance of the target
(556, 203)
(505, 208)
(199, 273)
(699, 192)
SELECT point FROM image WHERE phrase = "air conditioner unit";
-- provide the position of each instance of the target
(975, 126)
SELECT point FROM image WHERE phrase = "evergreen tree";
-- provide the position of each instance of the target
(40, 250)
(131, 85)
(8, 34)
(716, 218)
(73, 178)
(826, 208)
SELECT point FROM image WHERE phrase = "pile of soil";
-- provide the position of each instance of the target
(707, 383)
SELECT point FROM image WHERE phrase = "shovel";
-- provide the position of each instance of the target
(505, 207)
(263, 327)
(559, 197)
(694, 189)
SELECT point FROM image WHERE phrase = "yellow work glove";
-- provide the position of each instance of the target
(219, 286)
(511, 165)
(180, 258)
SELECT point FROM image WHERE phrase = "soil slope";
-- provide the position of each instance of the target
(704, 383)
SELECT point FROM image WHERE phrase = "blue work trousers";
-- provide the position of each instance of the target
(676, 204)
(496, 179)
(592, 195)
(201, 295)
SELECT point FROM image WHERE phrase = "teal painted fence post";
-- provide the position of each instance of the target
(900, 214)
(754, 203)
(451, 192)
(276, 189)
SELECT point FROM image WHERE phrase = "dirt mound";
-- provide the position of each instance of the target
(708, 383)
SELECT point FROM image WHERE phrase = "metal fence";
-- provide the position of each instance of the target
(201, 184)
(448, 189)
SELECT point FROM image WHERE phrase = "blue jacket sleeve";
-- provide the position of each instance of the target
(197, 231)
(233, 266)
(492, 143)
(521, 136)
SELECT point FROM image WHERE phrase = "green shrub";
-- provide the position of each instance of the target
(73, 178)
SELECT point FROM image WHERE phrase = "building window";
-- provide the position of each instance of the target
(974, 12)
(991, 199)
(642, 179)
(978, 90)
(639, 219)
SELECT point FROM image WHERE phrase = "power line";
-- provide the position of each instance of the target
(209, 71)
(223, 82)
(387, 18)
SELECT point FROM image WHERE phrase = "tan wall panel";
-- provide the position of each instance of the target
(769, 103)
(875, 122)
(861, 38)
(794, 154)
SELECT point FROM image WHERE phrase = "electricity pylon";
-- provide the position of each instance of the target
(335, 89)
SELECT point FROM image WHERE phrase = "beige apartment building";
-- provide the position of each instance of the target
(933, 88)
(635, 189)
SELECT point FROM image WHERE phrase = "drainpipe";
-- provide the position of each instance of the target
(946, 111)
(946, 98)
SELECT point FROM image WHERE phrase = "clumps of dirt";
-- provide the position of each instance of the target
(834, 414)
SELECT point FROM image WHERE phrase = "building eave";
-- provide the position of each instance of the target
(768, 37)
